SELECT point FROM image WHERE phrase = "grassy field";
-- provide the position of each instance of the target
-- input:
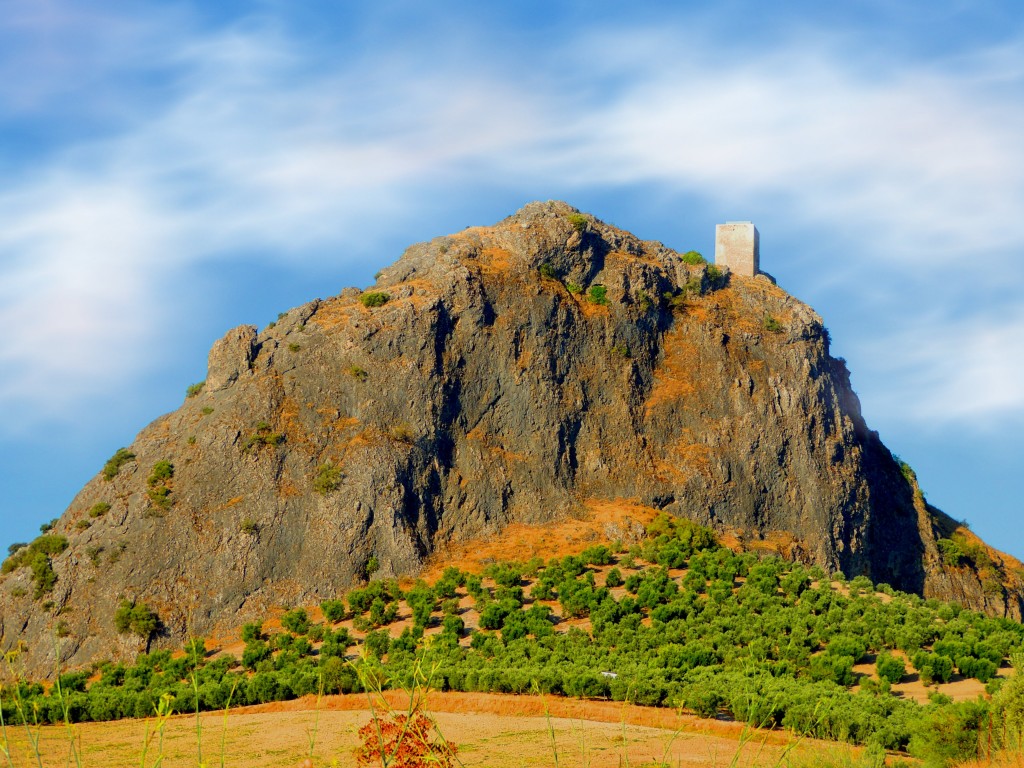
(489, 729)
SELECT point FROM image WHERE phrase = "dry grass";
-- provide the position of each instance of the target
(490, 730)
(520, 542)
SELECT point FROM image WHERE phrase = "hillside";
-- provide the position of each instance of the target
(673, 620)
(519, 373)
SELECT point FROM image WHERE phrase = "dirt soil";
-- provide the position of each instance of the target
(489, 729)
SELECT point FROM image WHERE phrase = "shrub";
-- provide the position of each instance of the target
(952, 554)
(46, 546)
(644, 301)
(932, 667)
(374, 299)
(121, 457)
(334, 610)
(357, 373)
(377, 642)
(599, 555)
(402, 433)
(405, 740)
(249, 526)
(294, 347)
(694, 258)
(715, 276)
(194, 389)
(137, 619)
(83, 524)
(890, 668)
(16, 546)
(263, 434)
(574, 288)
(159, 493)
(256, 651)
(252, 632)
(206, 411)
(621, 350)
(43, 575)
(579, 221)
(328, 478)
(296, 621)
(93, 552)
(597, 294)
(772, 325)
(980, 669)
(614, 578)
(548, 271)
(99, 509)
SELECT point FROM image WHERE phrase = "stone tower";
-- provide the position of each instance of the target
(737, 247)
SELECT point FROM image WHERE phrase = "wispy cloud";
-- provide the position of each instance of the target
(968, 371)
(247, 145)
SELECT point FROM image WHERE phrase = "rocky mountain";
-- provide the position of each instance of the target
(503, 374)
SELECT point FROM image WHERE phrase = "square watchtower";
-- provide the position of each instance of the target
(737, 246)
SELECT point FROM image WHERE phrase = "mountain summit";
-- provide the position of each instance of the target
(505, 374)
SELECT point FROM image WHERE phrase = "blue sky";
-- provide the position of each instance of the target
(171, 170)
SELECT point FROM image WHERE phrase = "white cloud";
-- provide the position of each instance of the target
(250, 147)
(966, 370)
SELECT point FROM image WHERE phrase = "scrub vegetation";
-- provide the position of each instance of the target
(674, 621)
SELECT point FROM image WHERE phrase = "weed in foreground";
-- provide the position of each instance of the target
(400, 739)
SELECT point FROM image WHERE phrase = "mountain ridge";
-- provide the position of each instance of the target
(503, 374)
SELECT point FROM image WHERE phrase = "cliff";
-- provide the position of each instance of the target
(505, 374)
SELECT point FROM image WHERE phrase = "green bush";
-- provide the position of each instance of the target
(99, 509)
(597, 294)
(256, 651)
(890, 668)
(296, 621)
(952, 554)
(715, 276)
(547, 271)
(579, 221)
(573, 288)
(377, 643)
(643, 301)
(37, 557)
(694, 258)
(194, 389)
(159, 492)
(262, 435)
(121, 457)
(43, 575)
(334, 610)
(772, 325)
(138, 619)
(932, 667)
(374, 299)
(328, 478)
(357, 373)
(249, 526)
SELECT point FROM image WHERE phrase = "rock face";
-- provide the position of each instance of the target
(513, 373)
